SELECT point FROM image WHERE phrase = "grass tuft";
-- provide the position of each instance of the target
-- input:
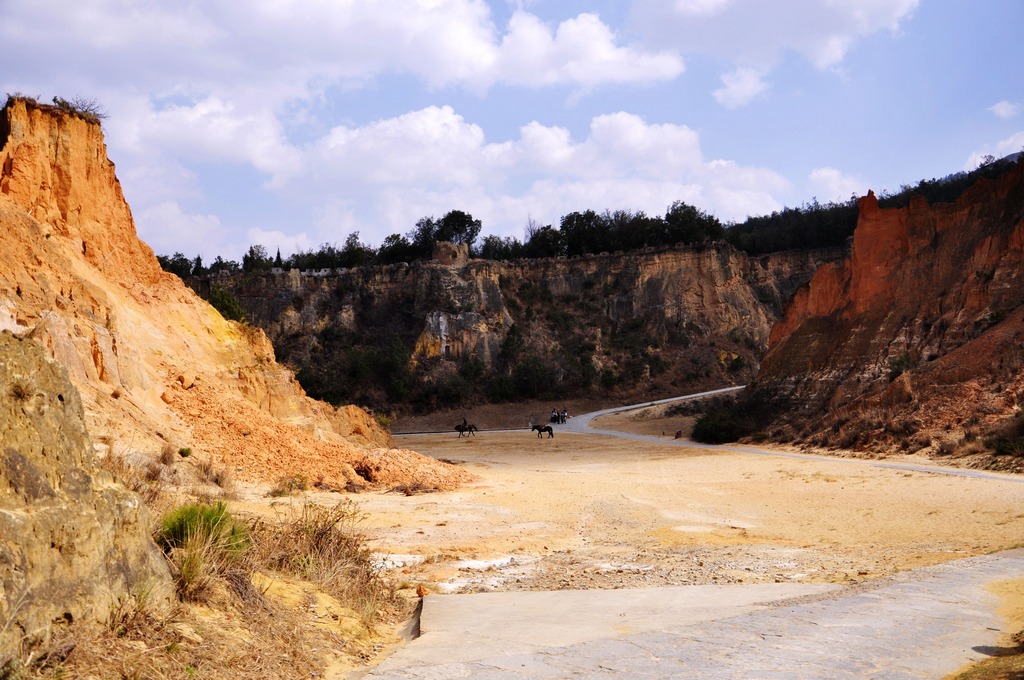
(203, 543)
(324, 545)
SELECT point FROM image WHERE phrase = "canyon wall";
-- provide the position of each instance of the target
(641, 324)
(916, 338)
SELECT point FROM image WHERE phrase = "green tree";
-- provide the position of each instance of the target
(498, 248)
(686, 224)
(222, 265)
(256, 259)
(458, 227)
(177, 264)
(355, 253)
(584, 232)
(396, 248)
(224, 301)
(543, 242)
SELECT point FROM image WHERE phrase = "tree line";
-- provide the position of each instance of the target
(579, 233)
(809, 226)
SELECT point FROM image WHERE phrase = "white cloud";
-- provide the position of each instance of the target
(166, 228)
(430, 161)
(274, 240)
(700, 7)
(1005, 109)
(278, 49)
(740, 87)
(757, 32)
(581, 51)
(215, 130)
(1012, 144)
(829, 184)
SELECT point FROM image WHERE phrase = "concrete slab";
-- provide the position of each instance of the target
(467, 628)
(925, 623)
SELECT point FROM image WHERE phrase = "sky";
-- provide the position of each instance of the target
(294, 123)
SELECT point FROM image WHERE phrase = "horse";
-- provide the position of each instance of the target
(467, 429)
(541, 429)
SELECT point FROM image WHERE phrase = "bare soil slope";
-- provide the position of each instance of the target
(155, 364)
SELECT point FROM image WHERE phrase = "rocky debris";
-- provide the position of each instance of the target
(73, 543)
(915, 338)
(237, 435)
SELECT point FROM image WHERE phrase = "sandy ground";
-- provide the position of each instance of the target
(592, 511)
(587, 511)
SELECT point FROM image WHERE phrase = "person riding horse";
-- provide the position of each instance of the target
(466, 428)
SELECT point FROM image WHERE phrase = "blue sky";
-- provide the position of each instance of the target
(292, 123)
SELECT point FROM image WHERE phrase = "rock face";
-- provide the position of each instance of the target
(71, 540)
(154, 363)
(690, 316)
(916, 336)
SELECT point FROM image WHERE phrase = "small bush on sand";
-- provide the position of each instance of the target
(203, 543)
(220, 476)
(323, 545)
(139, 480)
(289, 484)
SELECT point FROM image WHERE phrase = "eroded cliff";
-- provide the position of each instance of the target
(154, 363)
(915, 340)
(440, 334)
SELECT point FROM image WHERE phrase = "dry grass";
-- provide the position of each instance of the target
(235, 641)
(21, 390)
(168, 455)
(222, 626)
(220, 476)
(143, 481)
(324, 545)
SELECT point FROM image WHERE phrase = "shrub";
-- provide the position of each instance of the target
(87, 108)
(718, 425)
(289, 484)
(323, 545)
(226, 303)
(203, 543)
(201, 519)
(185, 452)
(899, 366)
(167, 456)
(216, 475)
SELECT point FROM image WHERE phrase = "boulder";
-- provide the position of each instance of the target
(73, 542)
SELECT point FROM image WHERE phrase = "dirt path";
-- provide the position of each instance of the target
(588, 511)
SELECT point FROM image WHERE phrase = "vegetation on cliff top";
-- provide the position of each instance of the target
(809, 226)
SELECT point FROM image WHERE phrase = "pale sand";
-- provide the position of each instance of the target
(586, 511)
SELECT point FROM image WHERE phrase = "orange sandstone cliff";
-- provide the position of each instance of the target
(154, 363)
(916, 340)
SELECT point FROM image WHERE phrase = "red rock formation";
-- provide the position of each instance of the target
(154, 363)
(935, 291)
